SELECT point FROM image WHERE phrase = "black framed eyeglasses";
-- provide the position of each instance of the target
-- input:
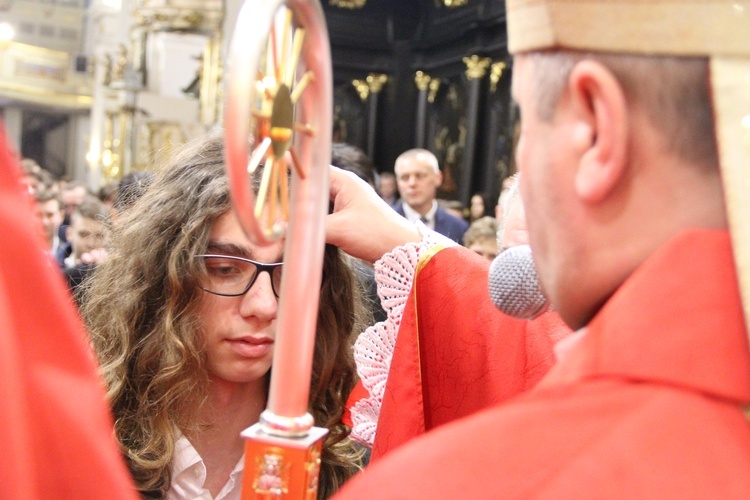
(232, 276)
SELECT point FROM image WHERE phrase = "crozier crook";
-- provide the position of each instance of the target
(279, 115)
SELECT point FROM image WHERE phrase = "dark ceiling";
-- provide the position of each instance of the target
(433, 35)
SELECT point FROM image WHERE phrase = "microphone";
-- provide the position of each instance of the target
(514, 284)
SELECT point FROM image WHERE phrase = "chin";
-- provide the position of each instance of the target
(241, 374)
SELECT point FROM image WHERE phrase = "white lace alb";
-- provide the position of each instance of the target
(373, 350)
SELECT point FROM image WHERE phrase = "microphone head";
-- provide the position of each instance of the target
(514, 284)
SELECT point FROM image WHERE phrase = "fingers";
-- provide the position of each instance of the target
(362, 224)
(95, 256)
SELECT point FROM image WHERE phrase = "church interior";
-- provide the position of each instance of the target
(94, 89)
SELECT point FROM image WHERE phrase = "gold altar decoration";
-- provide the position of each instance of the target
(376, 81)
(42, 76)
(347, 4)
(362, 88)
(496, 73)
(476, 67)
(422, 80)
(434, 88)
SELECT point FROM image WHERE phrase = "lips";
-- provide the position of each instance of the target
(251, 347)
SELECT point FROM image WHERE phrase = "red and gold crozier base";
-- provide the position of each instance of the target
(278, 467)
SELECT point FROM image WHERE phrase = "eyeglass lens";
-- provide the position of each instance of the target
(227, 275)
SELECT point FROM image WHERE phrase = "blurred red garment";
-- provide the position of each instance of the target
(56, 431)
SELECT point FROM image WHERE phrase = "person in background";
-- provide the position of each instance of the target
(419, 178)
(87, 232)
(35, 178)
(72, 194)
(183, 317)
(49, 212)
(129, 189)
(352, 158)
(453, 207)
(502, 198)
(482, 237)
(107, 194)
(513, 229)
(479, 206)
(387, 188)
(634, 165)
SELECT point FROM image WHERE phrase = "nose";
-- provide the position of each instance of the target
(260, 301)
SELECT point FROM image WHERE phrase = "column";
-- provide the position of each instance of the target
(476, 68)
(495, 128)
(368, 90)
(13, 124)
(423, 84)
(375, 83)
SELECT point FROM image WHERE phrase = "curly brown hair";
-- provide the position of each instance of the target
(141, 308)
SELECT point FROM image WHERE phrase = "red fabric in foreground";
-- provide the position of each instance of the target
(647, 404)
(456, 353)
(56, 438)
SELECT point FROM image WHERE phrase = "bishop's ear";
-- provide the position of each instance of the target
(601, 112)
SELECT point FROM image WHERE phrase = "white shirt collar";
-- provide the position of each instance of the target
(70, 261)
(413, 216)
(55, 245)
(189, 475)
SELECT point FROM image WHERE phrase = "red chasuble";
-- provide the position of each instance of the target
(455, 352)
(56, 431)
(647, 404)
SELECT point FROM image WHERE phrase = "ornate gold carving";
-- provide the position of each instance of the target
(422, 80)
(210, 81)
(376, 81)
(42, 76)
(476, 66)
(372, 84)
(362, 88)
(312, 470)
(347, 4)
(120, 64)
(177, 17)
(425, 82)
(455, 3)
(434, 87)
(496, 73)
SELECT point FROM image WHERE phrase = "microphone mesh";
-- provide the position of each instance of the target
(514, 284)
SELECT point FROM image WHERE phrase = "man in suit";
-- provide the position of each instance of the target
(634, 157)
(419, 178)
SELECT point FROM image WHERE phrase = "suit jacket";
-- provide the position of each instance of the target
(445, 223)
(647, 403)
(63, 253)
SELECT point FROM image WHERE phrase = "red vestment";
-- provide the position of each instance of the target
(56, 431)
(455, 353)
(647, 404)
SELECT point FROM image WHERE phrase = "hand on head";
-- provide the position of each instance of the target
(362, 224)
